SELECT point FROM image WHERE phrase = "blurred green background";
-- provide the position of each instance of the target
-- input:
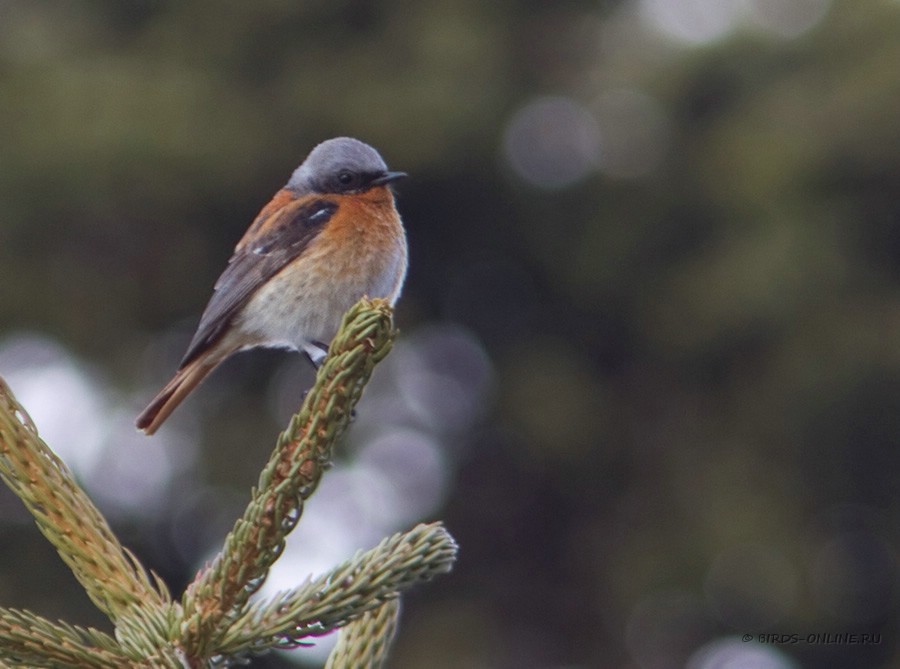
(649, 370)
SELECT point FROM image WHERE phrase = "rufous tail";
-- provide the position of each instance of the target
(187, 378)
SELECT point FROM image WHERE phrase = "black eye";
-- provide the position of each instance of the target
(346, 177)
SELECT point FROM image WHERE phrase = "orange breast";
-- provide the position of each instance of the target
(366, 235)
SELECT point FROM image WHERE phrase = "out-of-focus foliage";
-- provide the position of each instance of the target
(650, 364)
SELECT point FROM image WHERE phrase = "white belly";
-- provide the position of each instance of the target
(296, 308)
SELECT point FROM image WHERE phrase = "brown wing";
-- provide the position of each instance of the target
(288, 231)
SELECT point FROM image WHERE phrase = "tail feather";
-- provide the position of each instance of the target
(186, 379)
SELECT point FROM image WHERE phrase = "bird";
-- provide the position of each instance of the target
(331, 236)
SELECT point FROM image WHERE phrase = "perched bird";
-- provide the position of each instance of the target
(331, 236)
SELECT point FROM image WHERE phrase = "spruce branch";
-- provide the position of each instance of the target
(365, 642)
(302, 453)
(28, 640)
(65, 515)
(146, 635)
(215, 622)
(345, 593)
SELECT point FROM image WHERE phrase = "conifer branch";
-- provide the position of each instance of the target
(65, 515)
(301, 455)
(215, 622)
(365, 642)
(148, 635)
(28, 640)
(347, 592)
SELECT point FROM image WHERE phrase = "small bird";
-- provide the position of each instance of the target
(331, 236)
